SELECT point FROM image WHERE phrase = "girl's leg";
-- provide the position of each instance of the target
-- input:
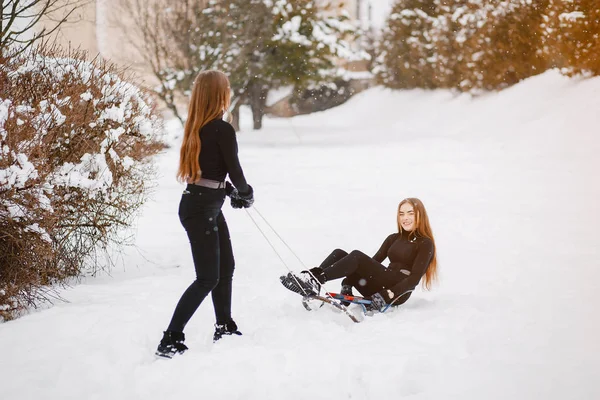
(331, 259)
(361, 271)
(305, 283)
(202, 231)
(221, 294)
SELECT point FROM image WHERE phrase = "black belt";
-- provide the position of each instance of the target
(209, 183)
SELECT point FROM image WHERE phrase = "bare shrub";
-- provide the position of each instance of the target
(20, 21)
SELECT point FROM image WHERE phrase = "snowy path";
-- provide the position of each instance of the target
(510, 182)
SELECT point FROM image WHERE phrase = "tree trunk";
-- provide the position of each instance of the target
(235, 117)
(239, 98)
(257, 93)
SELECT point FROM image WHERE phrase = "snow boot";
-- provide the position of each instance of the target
(304, 283)
(171, 344)
(346, 291)
(229, 328)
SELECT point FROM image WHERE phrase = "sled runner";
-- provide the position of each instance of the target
(336, 299)
(329, 300)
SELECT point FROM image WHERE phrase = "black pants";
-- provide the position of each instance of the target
(362, 272)
(201, 216)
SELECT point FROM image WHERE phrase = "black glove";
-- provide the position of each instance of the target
(242, 200)
(228, 188)
(377, 303)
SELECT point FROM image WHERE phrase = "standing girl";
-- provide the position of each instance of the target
(208, 154)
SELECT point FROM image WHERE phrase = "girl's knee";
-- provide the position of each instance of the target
(357, 253)
(206, 284)
(227, 268)
(339, 253)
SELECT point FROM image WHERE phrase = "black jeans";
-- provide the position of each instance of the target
(201, 216)
(362, 272)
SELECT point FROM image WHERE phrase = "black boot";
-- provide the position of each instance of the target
(229, 328)
(346, 291)
(171, 344)
(318, 274)
(306, 283)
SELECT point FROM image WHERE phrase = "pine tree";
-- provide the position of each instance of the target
(260, 44)
(406, 49)
(452, 27)
(282, 42)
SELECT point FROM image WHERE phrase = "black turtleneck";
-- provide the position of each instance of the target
(408, 252)
(219, 154)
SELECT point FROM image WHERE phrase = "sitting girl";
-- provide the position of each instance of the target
(412, 256)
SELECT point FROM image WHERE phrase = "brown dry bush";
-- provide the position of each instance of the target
(473, 45)
(76, 142)
(507, 47)
(572, 36)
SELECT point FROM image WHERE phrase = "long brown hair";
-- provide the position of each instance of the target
(423, 228)
(210, 98)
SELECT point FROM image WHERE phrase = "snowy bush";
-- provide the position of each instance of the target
(572, 36)
(75, 147)
(477, 45)
(504, 44)
(460, 44)
(406, 48)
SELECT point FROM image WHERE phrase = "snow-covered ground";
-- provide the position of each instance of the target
(510, 182)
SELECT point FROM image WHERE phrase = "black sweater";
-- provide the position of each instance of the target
(219, 154)
(411, 254)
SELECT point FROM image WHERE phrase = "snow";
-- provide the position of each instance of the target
(278, 94)
(380, 11)
(18, 174)
(41, 231)
(290, 31)
(87, 96)
(78, 175)
(508, 180)
(572, 16)
(4, 115)
(348, 75)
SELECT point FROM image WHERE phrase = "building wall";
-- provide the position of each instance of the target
(80, 31)
(116, 38)
(357, 10)
(101, 27)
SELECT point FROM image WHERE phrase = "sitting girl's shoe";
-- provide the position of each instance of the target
(229, 328)
(171, 344)
(304, 283)
(346, 291)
